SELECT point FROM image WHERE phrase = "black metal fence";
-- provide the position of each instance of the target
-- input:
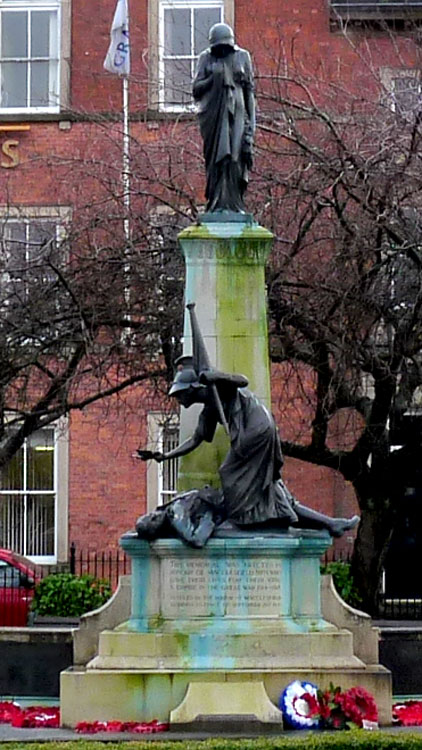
(333, 555)
(398, 608)
(18, 579)
(394, 602)
(16, 593)
(110, 564)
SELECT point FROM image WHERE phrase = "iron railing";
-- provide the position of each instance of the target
(110, 564)
(16, 594)
(17, 587)
(391, 603)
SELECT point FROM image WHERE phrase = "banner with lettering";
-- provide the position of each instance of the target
(118, 56)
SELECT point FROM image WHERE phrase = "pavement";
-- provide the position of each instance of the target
(14, 734)
(200, 731)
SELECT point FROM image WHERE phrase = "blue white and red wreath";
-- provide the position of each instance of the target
(295, 708)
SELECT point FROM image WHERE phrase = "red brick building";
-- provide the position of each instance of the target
(59, 110)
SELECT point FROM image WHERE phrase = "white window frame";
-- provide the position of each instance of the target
(388, 78)
(26, 262)
(62, 51)
(156, 424)
(163, 57)
(60, 215)
(60, 491)
(168, 439)
(33, 214)
(156, 45)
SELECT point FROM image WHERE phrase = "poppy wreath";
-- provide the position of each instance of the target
(297, 702)
(147, 727)
(49, 717)
(408, 714)
(34, 716)
(306, 707)
(357, 706)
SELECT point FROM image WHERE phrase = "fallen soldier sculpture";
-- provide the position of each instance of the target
(252, 495)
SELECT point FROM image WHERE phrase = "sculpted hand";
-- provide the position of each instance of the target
(149, 455)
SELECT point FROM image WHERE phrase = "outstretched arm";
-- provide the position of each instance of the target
(215, 377)
(182, 450)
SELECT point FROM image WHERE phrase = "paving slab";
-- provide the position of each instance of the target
(15, 734)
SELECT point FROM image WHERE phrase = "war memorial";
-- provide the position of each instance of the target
(226, 605)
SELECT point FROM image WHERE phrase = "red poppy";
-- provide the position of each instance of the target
(357, 704)
(408, 714)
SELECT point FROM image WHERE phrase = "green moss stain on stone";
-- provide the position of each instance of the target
(231, 258)
(195, 232)
(241, 310)
(183, 643)
(157, 697)
(201, 467)
(155, 623)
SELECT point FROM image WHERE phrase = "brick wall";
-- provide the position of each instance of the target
(59, 163)
(107, 486)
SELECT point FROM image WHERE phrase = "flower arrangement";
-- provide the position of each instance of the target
(304, 706)
(49, 717)
(144, 727)
(296, 704)
(34, 716)
(408, 714)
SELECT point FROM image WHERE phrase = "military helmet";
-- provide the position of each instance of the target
(184, 379)
(186, 376)
(221, 33)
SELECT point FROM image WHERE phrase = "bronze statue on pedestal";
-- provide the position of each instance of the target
(253, 495)
(224, 91)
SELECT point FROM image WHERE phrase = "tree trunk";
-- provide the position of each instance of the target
(373, 538)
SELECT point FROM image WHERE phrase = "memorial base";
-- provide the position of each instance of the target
(241, 617)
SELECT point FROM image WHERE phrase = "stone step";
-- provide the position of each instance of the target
(134, 695)
(168, 651)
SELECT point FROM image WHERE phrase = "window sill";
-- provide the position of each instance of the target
(42, 559)
(148, 115)
(28, 116)
(365, 9)
(159, 113)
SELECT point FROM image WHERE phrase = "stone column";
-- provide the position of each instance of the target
(225, 267)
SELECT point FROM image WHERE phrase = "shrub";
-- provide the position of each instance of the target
(354, 740)
(343, 581)
(68, 595)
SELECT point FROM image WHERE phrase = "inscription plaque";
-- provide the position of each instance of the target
(221, 586)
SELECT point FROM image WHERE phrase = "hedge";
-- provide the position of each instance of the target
(68, 595)
(353, 740)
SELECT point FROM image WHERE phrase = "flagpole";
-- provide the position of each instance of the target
(117, 61)
(126, 166)
(126, 160)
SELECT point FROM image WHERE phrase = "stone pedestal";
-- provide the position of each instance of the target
(245, 610)
(225, 276)
(240, 583)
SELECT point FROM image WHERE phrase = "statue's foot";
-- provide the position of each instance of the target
(339, 526)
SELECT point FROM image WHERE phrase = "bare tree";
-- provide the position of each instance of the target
(84, 313)
(340, 172)
(337, 179)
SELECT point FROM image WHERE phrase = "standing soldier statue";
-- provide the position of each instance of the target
(224, 91)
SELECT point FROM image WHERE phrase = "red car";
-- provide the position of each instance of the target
(17, 582)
